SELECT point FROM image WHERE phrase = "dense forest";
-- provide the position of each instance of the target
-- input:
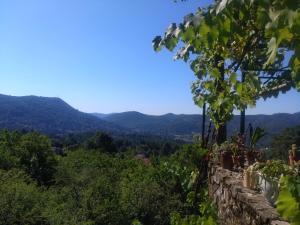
(96, 179)
(96, 183)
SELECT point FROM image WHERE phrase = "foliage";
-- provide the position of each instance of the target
(91, 187)
(189, 168)
(146, 197)
(21, 201)
(37, 157)
(101, 141)
(237, 51)
(207, 217)
(256, 136)
(227, 146)
(274, 169)
(281, 144)
(31, 152)
(288, 203)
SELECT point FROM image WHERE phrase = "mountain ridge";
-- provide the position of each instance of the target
(190, 124)
(50, 115)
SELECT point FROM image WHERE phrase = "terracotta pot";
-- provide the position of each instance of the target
(251, 156)
(242, 160)
(226, 160)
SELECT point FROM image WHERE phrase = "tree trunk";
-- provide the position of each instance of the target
(222, 130)
(222, 134)
(243, 113)
(242, 122)
(203, 124)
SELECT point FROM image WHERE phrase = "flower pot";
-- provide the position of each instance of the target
(226, 160)
(251, 156)
(242, 160)
(269, 189)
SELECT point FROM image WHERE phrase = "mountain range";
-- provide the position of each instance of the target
(187, 125)
(48, 115)
(54, 116)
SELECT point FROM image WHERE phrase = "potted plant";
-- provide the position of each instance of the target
(238, 159)
(237, 147)
(226, 160)
(226, 156)
(269, 178)
(251, 154)
(251, 176)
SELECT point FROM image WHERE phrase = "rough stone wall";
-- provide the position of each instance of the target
(236, 204)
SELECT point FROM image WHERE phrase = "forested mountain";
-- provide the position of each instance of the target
(172, 124)
(48, 115)
(54, 116)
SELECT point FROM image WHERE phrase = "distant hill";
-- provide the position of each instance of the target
(54, 116)
(168, 124)
(171, 124)
(48, 115)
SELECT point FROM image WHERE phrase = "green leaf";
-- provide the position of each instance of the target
(272, 51)
(188, 35)
(227, 25)
(232, 78)
(215, 73)
(287, 205)
(171, 43)
(284, 34)
(204, 29)
(239, 88)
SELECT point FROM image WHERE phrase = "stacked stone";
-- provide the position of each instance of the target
(236, 204)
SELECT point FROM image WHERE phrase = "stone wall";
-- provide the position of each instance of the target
(236, 204)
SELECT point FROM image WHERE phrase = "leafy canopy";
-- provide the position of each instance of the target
(239, 50)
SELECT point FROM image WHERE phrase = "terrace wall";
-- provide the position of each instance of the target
(236, 204)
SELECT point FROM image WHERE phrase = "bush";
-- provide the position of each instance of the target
(21, 201)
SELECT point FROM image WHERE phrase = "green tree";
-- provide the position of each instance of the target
(282, 143)
(8, 142)
(36, 157)
(31, 152)
(288, 203)
(236, 54)
(86, 190)
(101, 141)
(144, 196)
(21, 201)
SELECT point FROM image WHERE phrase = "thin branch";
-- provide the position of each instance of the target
(268, 70)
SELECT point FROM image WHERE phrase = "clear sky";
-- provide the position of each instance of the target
(97, 56)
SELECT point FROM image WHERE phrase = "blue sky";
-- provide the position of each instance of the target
(97, 56)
